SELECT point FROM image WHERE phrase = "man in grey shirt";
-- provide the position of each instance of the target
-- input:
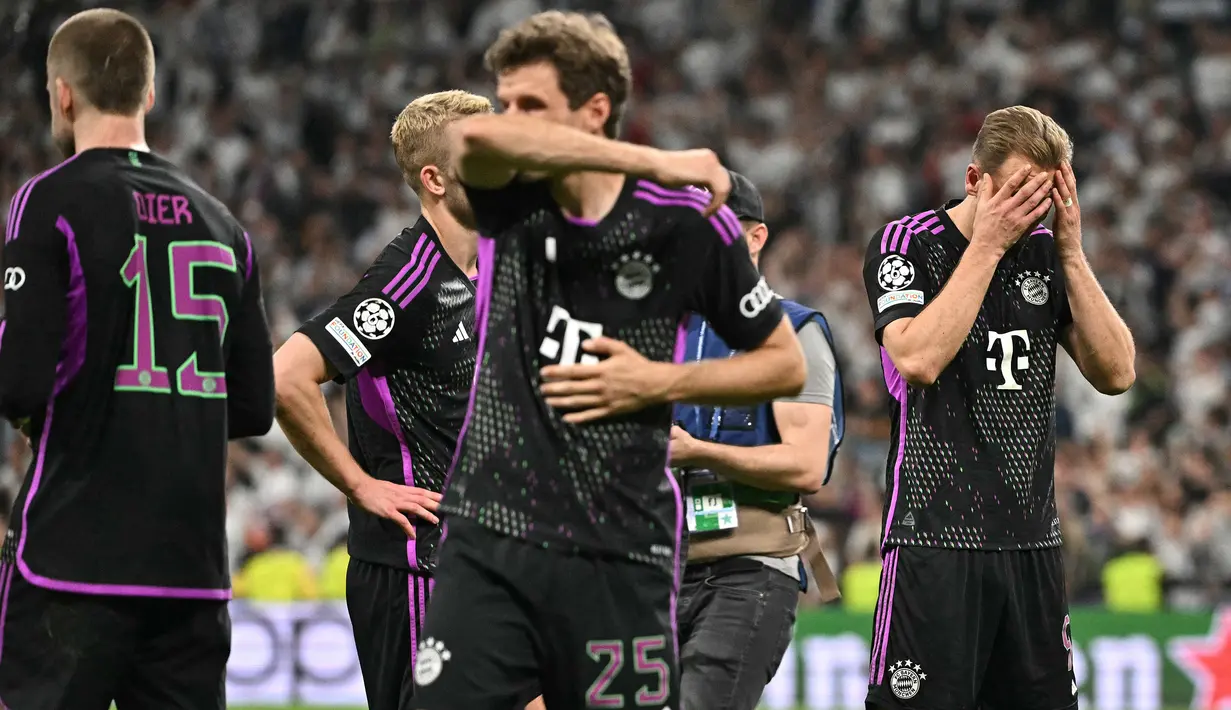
(744, 470)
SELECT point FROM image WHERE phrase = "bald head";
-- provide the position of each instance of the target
(106, 58)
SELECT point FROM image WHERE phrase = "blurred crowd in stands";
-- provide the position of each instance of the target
(846, 113)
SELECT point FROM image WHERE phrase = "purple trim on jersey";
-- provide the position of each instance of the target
(427, 276)
(408, 468)
(3, 324)
(6, 583)
(729, 236)
(677, 356)
(903, 229)
(73, 356)
(418, 277)
(414, 257)
(896, 384)
(74, 350)
(248, 261)
(482, 303)
(29, 187)
(580, 221)
(730, 228)
(889, 583)
(369, 398)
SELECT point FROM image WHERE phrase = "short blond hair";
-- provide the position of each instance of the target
(418, 133)
(1023, 131)
(107, 56)
(589, 57)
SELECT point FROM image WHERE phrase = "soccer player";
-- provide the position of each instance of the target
(744, 470)
(561, 547)
(969, 303)
(134, 346)
(403, 339)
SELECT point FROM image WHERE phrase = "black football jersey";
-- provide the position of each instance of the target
(550, 282)
(972, 459)
(135, 343)
(403, 340)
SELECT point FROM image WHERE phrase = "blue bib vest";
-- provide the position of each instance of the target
(753, 426)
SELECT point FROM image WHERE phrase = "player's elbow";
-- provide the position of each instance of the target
(809, 479)
(919, 369)
(472, 135)
(1119, 382)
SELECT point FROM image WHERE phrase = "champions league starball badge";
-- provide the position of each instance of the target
(374, 318)
(895, 273)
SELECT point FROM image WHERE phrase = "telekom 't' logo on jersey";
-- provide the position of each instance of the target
(1011, 361)
(566, 348)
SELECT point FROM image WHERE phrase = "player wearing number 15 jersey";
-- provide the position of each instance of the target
(134, 346)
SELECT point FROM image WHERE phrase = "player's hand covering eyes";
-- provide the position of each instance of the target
(394, 501)
(699, 168)
(623, 382)
(1003, 217)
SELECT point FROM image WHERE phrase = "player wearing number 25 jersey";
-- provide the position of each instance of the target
(134, 346)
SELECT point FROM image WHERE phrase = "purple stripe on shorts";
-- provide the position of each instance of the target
(414, 257)
(408, 469)
(412, 601)
(25, 197)
(891, 561)
(427, 276)
(879, 618)
(3, 325)
(418, 272)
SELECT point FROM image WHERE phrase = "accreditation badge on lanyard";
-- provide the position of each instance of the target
(710, 502)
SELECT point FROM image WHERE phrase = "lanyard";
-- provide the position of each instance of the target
(716, 416)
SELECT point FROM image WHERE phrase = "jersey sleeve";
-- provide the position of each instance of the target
(37, 274)
(497, 209)
(732, 296)
(250, 370)
(370, 322)
(895, 276)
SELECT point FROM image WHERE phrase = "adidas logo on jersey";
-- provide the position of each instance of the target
(461, 333)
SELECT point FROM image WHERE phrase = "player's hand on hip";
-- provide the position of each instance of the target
(624, 381)
(396, 502)
(1067, 221)
(700, 168)
(1002, 217)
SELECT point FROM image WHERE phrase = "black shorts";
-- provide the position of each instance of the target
(387, 608)
(64, 651)
(594, 632)
(960, 629)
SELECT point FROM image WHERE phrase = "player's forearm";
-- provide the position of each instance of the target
(304, 418)
(1101, 342)
(27, 369)
(529, 144)
(773, 370)
(774, 467)
(930, 341)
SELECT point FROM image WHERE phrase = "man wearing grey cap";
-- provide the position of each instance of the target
(744, 470)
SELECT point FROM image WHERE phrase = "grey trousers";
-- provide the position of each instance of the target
(736, 618)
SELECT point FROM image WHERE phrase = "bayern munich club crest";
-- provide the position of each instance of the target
(1033, 285)
(374, 318)
(430, 661)
(905, 678)
(895, 273)
(634, 275)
